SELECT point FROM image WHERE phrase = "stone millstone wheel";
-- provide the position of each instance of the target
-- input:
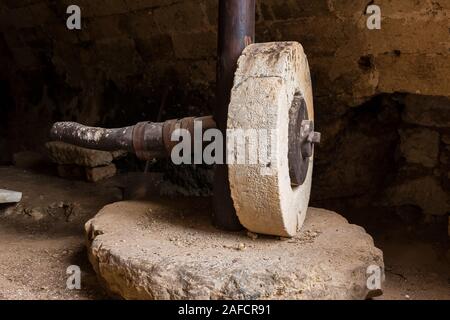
(168, 249)
(268, 77)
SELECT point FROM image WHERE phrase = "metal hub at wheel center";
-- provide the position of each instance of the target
(302, 138)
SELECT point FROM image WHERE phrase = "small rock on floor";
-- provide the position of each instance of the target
(8, 196)
(67, 154)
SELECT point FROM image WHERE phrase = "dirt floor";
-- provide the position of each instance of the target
(44, 235)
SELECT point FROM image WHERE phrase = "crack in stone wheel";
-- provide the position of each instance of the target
(268, 78)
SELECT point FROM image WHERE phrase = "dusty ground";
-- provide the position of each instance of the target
(38, 245)
(416, 254)
(43, 236)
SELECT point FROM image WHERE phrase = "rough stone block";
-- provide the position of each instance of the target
(292, 9)
(141, 24)
(416, 8)
(346, 8)
(90, 8)
(397, 35)
(7, 196)
(195, 45)
(432, 111)
(426, 74)
(142, 4)
(203, 71)
(420, 146)
(118, 57)
(64, 153)
(211, 8)
(186, 16)
(144, 250)
(426, 192)
(155, 48)
(106, 27)
(100, 173)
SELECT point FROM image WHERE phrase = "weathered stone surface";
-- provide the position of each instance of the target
(427, 110)
(100, 173)
(168, 249)
(268, 77)
(353, 173)
(66, 154)
(424, 192)
(420, 146)
(118, 154)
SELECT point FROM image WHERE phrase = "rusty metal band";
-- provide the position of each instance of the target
(139, 141)
(187, 124)
(148, 141)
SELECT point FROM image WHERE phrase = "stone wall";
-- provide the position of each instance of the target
(381, 96)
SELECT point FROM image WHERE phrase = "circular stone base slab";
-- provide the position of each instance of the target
(167, 249)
